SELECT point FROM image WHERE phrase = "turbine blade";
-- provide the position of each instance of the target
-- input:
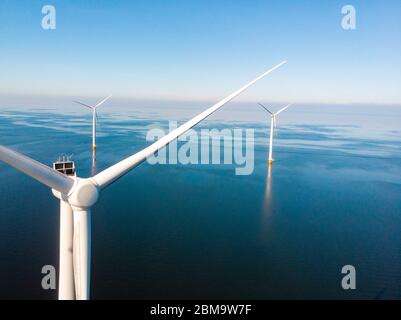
(37, 170)
(265, 108)
(83, 104)
(116, 171)
(82, 253)
(281, 110)
(101, 102)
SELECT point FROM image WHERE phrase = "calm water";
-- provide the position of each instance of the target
(333, 197)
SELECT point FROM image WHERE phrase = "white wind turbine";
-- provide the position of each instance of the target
(77, 196)
(94, 117)
(272, 128)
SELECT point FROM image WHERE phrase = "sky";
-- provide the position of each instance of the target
(202, 50)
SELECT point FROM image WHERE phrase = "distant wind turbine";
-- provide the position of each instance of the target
(94, 117)
(78, 195)
(272, 128)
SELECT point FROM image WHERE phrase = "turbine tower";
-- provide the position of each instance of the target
(77, 196)
(94, 117)
(272, 128)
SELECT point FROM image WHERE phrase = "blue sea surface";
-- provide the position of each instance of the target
(331, 198)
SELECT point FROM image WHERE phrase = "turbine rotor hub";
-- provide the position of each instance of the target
(84, 194)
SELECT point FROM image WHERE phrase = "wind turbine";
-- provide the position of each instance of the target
(77, 196)
(94, 117)
(272, 127)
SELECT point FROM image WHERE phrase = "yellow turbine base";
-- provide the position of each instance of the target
(270, 161)
(94, 147)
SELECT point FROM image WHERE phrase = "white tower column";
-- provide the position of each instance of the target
(82, 252)
(66, 289)
(94, 129)
(271, 140)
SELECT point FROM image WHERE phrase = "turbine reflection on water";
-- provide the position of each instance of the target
(93, 168)
(267, 208)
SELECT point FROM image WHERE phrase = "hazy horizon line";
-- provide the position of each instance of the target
(68, 98)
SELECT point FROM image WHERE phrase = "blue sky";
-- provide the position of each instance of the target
(203, 50)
